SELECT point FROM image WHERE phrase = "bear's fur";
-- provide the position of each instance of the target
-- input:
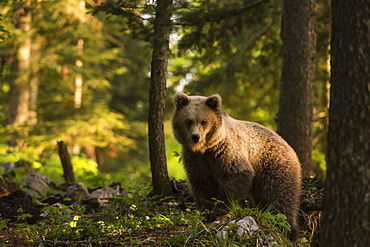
(228, 159)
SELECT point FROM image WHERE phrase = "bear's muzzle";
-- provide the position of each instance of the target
(195, 138)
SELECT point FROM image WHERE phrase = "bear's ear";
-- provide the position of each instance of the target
(180, 100)
(214, 101)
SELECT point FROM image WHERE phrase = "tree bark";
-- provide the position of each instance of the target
(157, 96)
(68, 174)
(19, 82)
(294, 120)
(34, 90)
(346, 214)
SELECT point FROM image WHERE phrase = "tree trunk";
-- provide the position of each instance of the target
(34, 90)
(346, 214)
(294, 120)
(157, 96)
(19, 83)
(68, 174)
(80, 51)
(79, 78)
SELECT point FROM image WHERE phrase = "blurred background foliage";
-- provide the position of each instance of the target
(226, 47)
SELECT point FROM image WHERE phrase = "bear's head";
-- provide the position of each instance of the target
(197, 121)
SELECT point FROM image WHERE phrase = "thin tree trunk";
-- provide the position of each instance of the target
(80, 51)
(294, 121)
(76, 149)
(19, 83)
(34, 89)
(157, 96)
(79, 79)
(346, 214)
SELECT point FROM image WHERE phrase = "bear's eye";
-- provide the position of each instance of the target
(189, 122)
(203, 122)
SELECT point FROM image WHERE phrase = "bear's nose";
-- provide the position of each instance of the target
(195, 138)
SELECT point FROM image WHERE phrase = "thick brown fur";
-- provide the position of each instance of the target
(229, 159)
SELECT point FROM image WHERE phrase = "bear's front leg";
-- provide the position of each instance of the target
(204, 190)
(202, 183)
(235, 186)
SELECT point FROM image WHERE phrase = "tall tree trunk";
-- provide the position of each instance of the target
(34, 84)
(19, 84)
(346, 214)
(79, 79)
(80, 50)
(76, 149)
(294, 121)
(157, 96)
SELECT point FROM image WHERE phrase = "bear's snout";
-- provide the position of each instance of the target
(195, 138)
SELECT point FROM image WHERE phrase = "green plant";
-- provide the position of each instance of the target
(273, 227)
(3, 223)
(198, 229)
(311, 184)
(63, 223)
(177, 155)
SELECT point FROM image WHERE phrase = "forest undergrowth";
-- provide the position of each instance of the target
(139, 219)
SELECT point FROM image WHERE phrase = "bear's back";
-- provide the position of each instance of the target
(258, 141)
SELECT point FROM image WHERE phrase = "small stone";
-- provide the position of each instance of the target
(247, 226)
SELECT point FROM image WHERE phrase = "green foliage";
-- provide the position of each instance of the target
(67, 224)
(236, 52)
(3, 223)
(273, 230)
(272, 224)
(231, 47)
(313, 184)
(277, 222)
(113, 76)
(137, 14)
(11, 154)
(4, 33)
(319, 160)
(85, 170)
(177, 155)
(175, 168)
(24, 161)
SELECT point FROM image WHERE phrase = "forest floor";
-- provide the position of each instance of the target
(18, 203)
(156, 222)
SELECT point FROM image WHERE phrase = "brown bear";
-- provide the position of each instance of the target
(228, 159)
